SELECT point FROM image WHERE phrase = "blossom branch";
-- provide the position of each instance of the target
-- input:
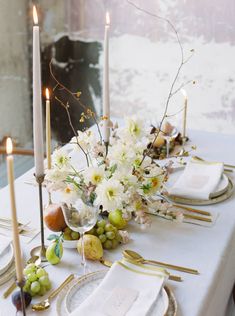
(182, 62)
(66, 107)
(75, 97)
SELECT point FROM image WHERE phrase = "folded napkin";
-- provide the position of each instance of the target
(198, 180)
(4, 243)
(127, 289)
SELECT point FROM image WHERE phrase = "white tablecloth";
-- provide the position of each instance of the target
(210, 250)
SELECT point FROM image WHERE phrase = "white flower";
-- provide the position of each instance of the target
(125, 237)
(60, 158)
(85, 139)
(121, 154)
(134, 127)
(152, 185)
(56, 179)
(70, 194)
(56, 175)
(94, 175)
(110, 194)
(125, 176)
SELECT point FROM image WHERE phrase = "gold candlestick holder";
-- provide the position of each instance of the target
(21, 286)
(40, 251)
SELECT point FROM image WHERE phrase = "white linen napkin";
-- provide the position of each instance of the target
(198, 180)
(127, 289)
(4, 243)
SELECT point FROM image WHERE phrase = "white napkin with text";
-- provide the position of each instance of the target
(198, 180)
(127, 289)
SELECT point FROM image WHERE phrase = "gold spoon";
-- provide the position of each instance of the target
(130, 254)
(45, 304)
(108, 264)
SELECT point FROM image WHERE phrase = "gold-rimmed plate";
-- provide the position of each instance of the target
(78, 291)
(213, 200)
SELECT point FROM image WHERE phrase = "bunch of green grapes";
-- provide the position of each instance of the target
(107, 233)
(69, 234)
(37, 280)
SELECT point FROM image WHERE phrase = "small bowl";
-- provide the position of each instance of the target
(70, 243)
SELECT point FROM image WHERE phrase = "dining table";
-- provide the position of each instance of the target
(209, 249)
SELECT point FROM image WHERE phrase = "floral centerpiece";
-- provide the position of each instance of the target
(120, 177)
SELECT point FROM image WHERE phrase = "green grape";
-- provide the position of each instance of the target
(109, 227)
(30, 268)
(108, 244)
(32, 277)
(48, 286)
(44, 280)
(35, 287)
(31, 293)
(92, 231)
(42, 291)
(102, 238)
(67, 231)
(110, 235)
(27, 286)
(40, 272)
(100, 230)
(67, 237)
(115, 230)
(75, 235)
(101, 223)
(114, 243)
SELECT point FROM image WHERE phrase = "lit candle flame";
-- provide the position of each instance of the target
(107, 18)
(184, 93)
(35, 15)
(9, 146)
(47, 94)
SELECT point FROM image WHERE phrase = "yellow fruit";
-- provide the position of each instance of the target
(92, 247)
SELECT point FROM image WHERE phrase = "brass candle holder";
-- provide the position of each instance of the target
(106, 148)
(21, 285)
(40, 251)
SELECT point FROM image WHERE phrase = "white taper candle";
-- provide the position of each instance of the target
(15, 231)
(37, 100)
(106, 101)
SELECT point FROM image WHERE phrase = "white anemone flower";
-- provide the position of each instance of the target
(125, 176)
(110, 194)
(60, 158)
(134, 126)
(121, 154)
(94, 175)
(55, 178)
(85, 139)
(70, 194)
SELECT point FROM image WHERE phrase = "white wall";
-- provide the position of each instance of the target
(15, 111)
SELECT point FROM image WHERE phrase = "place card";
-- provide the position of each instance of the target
(119, 301)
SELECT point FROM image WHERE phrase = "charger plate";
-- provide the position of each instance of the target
(6, 259)
(72, 296)
(7, 275)
(213, 200)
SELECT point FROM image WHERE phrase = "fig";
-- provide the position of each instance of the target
(16, 300)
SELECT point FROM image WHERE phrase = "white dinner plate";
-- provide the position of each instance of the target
(220, 189)
(85, 285)
(6, 259)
